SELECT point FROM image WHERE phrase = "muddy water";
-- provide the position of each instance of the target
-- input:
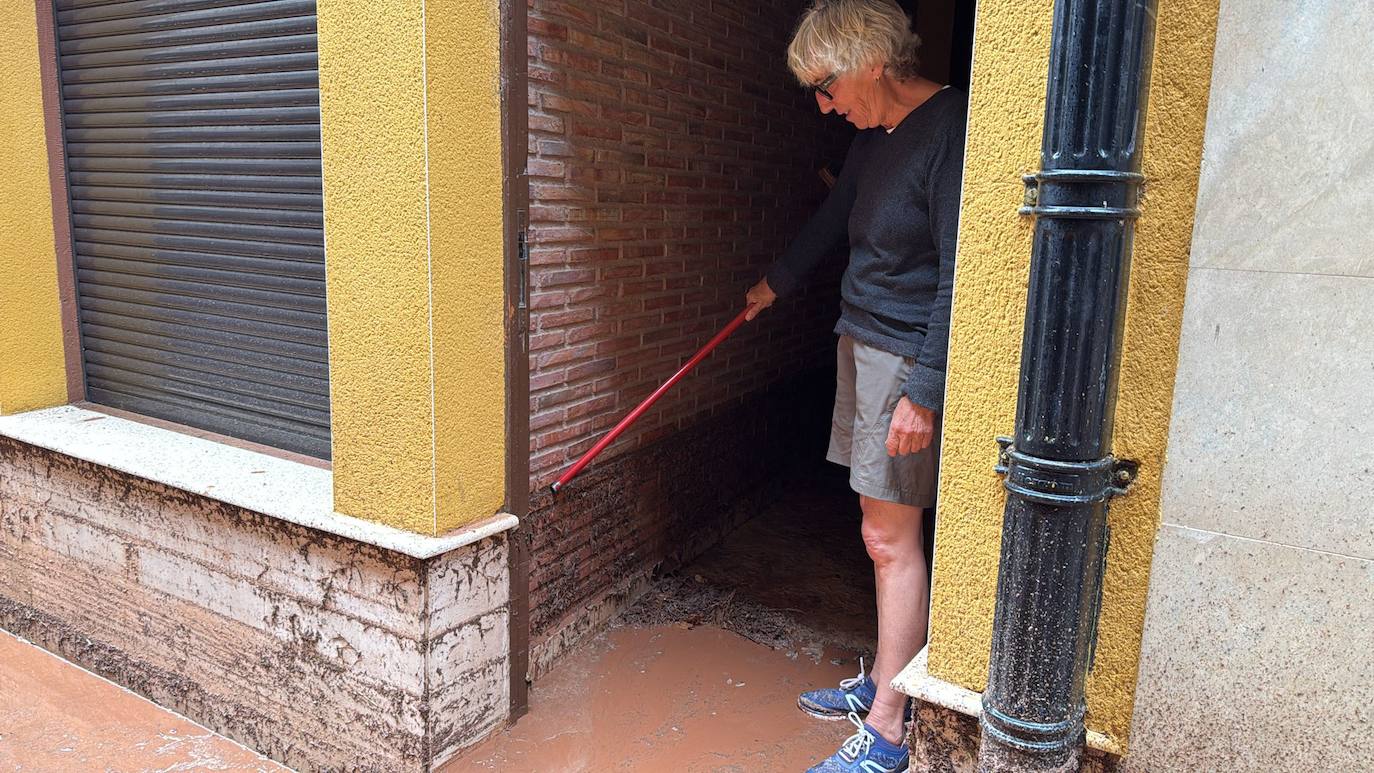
(668, 698)
(56, 717)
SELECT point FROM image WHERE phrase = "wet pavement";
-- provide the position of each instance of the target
(57, 717)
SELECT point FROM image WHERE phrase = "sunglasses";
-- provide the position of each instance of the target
(822, 87)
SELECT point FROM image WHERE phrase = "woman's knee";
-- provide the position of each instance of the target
(890, 536)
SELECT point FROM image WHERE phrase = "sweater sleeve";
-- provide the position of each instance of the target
(827, 229)
(926, 384)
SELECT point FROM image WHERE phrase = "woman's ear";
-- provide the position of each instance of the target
(876, 71)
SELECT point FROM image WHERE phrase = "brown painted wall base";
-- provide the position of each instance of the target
(315, 650)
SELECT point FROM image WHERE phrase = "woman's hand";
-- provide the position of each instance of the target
(759, 297)
(912, 428)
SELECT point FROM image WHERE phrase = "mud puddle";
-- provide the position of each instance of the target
(668, 698)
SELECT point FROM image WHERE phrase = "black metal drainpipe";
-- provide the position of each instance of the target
(1059, 472)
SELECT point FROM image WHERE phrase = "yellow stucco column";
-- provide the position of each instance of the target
(32, 364)
(411, 130)
(1006, 115)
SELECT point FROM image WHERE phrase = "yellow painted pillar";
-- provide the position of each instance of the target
(32, 364)
(411, 129)
(1006, 116)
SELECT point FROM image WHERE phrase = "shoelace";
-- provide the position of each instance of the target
(850, 685)
(853, 681)
(857, 746)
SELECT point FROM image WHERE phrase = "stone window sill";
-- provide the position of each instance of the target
(281, 488)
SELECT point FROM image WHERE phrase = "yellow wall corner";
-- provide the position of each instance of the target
(32, 358)
(411, 130)
(1005, 123)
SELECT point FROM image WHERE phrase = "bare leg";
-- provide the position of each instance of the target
(892, 534)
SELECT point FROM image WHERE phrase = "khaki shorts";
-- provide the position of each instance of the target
(868, 385)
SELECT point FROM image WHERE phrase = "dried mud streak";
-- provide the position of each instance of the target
(943, 740)
(678, 599)
(467, 647)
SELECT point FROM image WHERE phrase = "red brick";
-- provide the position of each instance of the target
(546, 340)
(595, 405)
(565, 277)
(621, 272)
(671, 158)
(619, 234)
(539, 301)
(597, 131)
(561, 319)
(541, 167)
(594, 332)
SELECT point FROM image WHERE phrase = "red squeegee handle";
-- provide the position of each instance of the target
(648, 402)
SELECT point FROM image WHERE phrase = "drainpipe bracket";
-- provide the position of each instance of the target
(1082, 194)
(1124, 472)
(1063, 482)
(1003, 455)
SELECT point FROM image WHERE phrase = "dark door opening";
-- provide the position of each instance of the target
(672, 156)
(795, 576)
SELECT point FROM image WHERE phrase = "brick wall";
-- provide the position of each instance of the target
(671, 157)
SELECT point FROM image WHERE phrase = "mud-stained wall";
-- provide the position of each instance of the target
(411, 144)
(269, 633)
(601, 541)
(672, 156)
(1006, 114)
(32, 365)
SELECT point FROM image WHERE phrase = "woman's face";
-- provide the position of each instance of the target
(853, 95)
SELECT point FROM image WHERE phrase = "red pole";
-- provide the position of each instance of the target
(648, 401)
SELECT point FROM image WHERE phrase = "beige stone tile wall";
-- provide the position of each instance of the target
(1257, 635)
(1256, 658)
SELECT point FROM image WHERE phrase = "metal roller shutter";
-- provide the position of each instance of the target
(193, 153)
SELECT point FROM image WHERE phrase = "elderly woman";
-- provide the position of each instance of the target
(897, 202)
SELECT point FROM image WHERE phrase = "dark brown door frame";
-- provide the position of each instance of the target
(515, 122)
(46, 15)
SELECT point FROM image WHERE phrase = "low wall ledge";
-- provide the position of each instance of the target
(292, 491)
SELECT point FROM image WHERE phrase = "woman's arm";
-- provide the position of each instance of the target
(827, 229)
(926, 384)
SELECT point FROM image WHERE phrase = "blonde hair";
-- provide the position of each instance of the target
(847, 35)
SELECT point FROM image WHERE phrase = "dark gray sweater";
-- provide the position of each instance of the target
(897, 199)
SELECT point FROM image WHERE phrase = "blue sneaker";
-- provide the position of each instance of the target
(865, 752)
(855, 695)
